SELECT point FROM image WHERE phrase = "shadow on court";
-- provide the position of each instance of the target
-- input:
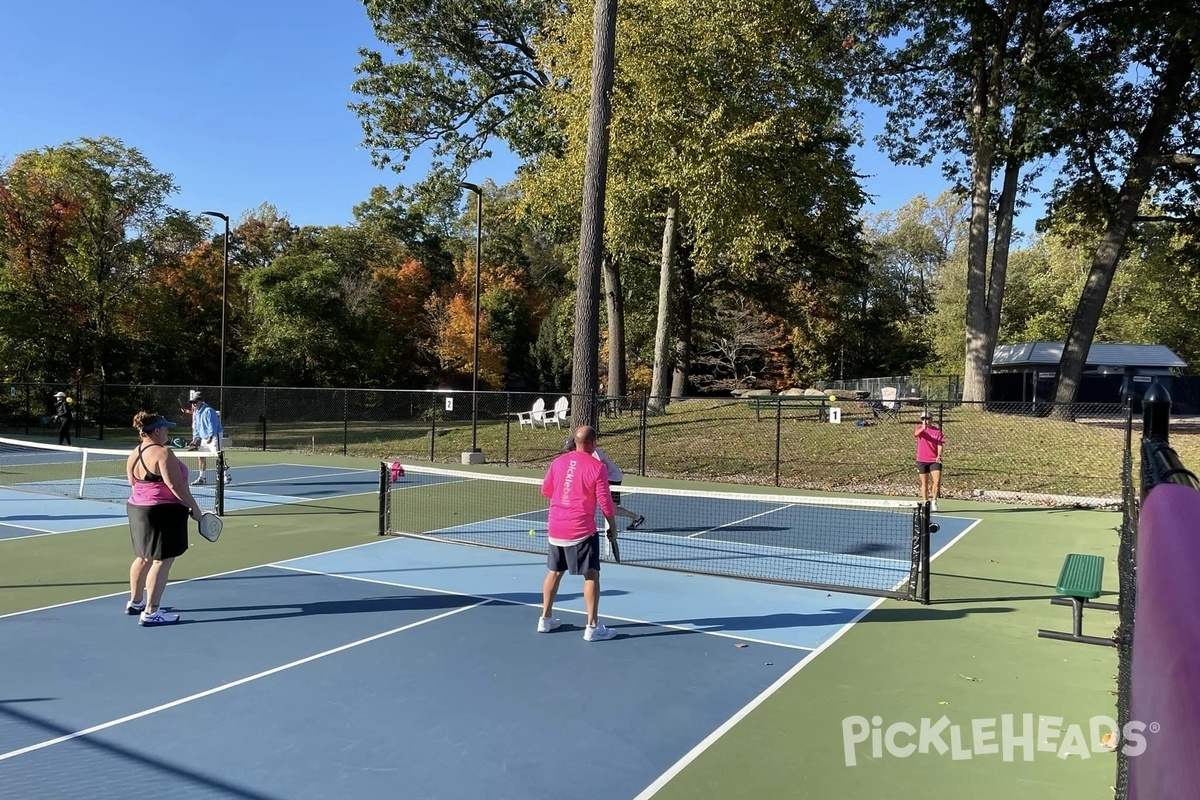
(366, 605)
(827, 617)
(172, 776)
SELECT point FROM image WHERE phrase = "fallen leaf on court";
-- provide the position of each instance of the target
(968, 677)
(769, 664)
(943, 702)
(741, 644)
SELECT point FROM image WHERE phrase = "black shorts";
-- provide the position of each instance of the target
(576, 559)
(928, 466)
(158, 532)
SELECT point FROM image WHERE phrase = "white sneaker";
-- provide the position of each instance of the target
(547, 624)
(199, 481)
(132, 608)
(933, 506)
(598, 633)
(159, 617)
(228, 478)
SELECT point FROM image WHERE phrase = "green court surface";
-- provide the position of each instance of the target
(973, 654)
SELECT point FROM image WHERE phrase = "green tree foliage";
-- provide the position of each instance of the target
(458, 73)
(87, 232)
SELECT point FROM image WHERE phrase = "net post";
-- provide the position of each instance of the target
(384, 475)
(220, 492)
(927, 579)
(914, 561)
(83, 473)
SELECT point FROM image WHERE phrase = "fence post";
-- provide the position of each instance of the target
(345, 421)
(778, 436)
(27, 409)
(643, 400)
(100, 414)
(507, 425)
(433, 398)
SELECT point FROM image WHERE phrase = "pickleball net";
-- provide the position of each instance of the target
(877, 547)
(92, 473)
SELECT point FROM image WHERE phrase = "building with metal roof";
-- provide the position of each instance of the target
(1113, 373)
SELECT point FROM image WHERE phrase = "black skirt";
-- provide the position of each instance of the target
(158, 532)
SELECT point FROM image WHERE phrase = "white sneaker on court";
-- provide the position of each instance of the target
(547, 624)
(933, 506)
(598, 633)
(159, 617)
(199, 481)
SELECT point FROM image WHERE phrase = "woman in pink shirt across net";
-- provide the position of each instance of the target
(930, 441)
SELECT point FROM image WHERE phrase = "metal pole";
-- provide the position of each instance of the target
(224, 305)
(475, 368)
(475, 363)
(224, 294)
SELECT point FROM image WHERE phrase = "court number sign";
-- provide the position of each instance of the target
(449, 403)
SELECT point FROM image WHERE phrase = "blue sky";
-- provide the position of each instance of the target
(243, 102)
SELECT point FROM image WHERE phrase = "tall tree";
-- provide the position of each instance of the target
(977, 83)
(1149, 134)
(586, 353)
(89, 224)
(459, 72)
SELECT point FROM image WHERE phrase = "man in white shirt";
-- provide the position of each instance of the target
(206, 433)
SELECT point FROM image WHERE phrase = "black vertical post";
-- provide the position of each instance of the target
(384, 479)
(220, 493)
(27, 409)
(264, 419)
(433, 426)
(507, 425)
(643, 400)
(1156, 422)
(925, 547)
(100, 413)
(778, 436)
(345, 421)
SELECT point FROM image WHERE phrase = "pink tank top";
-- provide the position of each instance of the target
(152, 490)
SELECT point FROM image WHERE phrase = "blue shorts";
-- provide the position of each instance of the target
(576, 559)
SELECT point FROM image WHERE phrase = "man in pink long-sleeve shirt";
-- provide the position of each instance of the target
(575, 484)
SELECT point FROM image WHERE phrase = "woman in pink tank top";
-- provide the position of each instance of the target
(159, 505)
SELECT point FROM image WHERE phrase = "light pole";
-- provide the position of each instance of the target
(475, 366)
(224, 285)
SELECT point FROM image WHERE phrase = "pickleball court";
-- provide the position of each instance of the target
(397, 668)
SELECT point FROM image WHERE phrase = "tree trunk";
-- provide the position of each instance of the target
(1032, 34)
(586, 351)
(616, 327)
(983, 124)
(1146, 158)
(662, 333)
(683, 332)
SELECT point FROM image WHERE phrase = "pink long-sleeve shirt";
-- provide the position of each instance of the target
(575, 484)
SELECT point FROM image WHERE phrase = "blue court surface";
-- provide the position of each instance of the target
(402, 668)
(254, 487)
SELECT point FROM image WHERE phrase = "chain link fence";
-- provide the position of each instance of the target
(994, 451)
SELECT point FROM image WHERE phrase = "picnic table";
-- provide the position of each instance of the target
(777, 403)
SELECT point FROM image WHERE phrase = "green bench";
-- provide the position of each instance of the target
(778, 403)
(1079, 586)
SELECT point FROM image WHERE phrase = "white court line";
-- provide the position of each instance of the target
(740, 521)
(708, 741)
(511, 602)
(225, 686)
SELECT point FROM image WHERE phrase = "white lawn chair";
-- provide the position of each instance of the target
(562, 409)
(535, 417)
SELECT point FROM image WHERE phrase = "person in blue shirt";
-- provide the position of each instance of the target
(206, 433)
